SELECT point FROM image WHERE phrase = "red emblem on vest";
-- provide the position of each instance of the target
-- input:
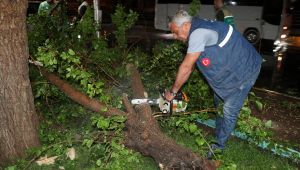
(205, 62)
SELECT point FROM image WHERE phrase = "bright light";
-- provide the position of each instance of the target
(276, 42)
(279, 58)
(284, 48)
(283, 36)
(232, 2)
(285, 27)
(277, 48)
(79, 36)
(166, 36)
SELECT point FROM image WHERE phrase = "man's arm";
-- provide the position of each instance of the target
(184, 72)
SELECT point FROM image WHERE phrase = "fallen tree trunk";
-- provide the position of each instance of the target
(79, 97)
(142, 130)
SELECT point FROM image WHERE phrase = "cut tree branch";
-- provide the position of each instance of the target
(142, 132)
(79, 97)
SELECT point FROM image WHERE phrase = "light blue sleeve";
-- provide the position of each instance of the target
(200, 38)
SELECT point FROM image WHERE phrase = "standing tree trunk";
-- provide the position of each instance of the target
(18, 120)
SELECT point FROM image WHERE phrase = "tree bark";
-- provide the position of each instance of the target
(142, 130)
(18, 120)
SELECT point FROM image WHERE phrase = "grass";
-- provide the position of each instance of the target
(83, 162)
(240, 155)
(250, 157)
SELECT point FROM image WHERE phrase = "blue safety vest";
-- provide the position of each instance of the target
(229, 63)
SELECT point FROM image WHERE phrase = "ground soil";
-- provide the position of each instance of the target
(284, 111)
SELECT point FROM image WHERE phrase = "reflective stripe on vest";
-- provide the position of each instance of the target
(228, 35)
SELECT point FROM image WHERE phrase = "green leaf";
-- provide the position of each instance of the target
(103, 123)
(252, 94)
(11, 167)
(186, 126)
(104, 109)
(63, 55)
(178, 122)
(259, 105)
(83, 81)
(246, 110)
(268, 124)
(98, 162)
(71, 52)
(200, 141)
(88, 142)
(119, 119)
(193, 128)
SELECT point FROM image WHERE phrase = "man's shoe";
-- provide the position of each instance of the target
(214, 151)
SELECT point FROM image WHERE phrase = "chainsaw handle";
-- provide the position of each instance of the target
(179, 95)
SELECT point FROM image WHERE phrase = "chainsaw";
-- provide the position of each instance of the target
(178, 104)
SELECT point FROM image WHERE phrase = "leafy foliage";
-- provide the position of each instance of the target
(251, 126)
(73, 51)
(194, 7)
(123, 22)
(187, 125)
(96, 66)
(55, 27)
(110, 147)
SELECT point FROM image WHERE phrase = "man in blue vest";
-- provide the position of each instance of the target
(227, 60)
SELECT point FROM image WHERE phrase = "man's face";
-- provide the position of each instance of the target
(180, 33)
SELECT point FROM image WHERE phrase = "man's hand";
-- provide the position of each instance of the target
(169, 96)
